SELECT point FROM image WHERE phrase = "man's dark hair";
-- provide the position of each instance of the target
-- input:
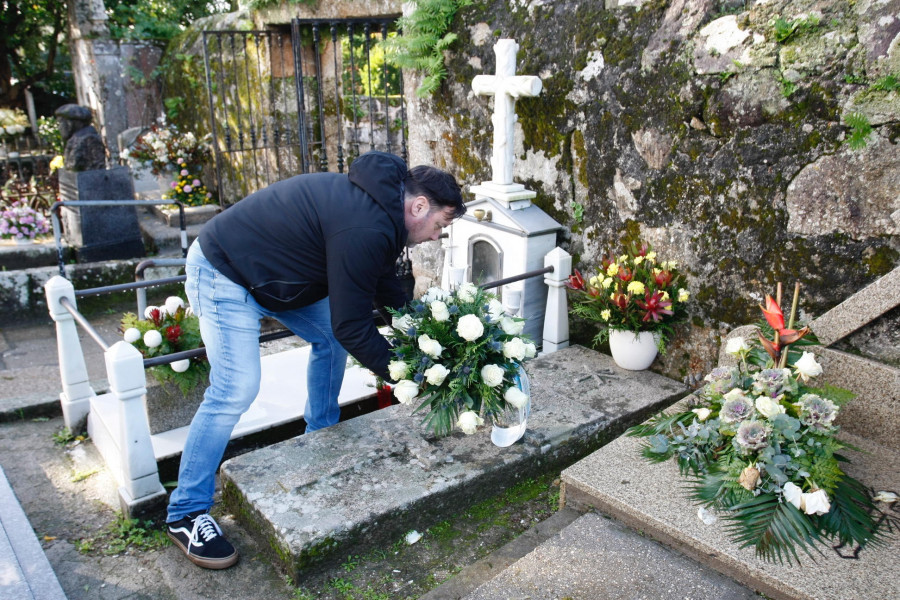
(439, 187)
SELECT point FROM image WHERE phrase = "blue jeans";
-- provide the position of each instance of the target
(229, 324)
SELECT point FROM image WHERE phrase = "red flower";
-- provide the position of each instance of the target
(773, 313)
(621, 301)
(173, 333)
(655, 306)
(663, 279)
(775, 318)
(625, 274)
(576, 281)
(156, 316)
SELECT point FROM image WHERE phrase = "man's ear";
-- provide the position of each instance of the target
(420, 206)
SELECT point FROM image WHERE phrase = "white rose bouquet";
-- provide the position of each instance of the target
(166, 329)
(460, 355)
(760, 444)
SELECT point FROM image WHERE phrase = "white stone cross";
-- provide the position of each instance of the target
(506, 87)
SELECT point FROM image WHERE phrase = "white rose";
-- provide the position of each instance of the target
(702, 413)
(131, 335)
(173, 303)
(429, 346)
(736, 346)
(150, 309)
(516, 397)
(152, 338)
(530, 350)
(514, 349)
(495, 309)
(439, 311)
(406, 391)
(807, 366)
(470, 327)
(469, 422)
(816, 503)
(436, 374)
(492, 375)
(402, 323)
(768, 407)
(180, 366)
(511, 326)
(466, 292)
(793, 494)
(397, 369)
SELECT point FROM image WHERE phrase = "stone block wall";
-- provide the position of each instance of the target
(717, 131)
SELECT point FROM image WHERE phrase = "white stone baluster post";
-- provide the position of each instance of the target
(76, 394)
(128, 384)
(556, 319)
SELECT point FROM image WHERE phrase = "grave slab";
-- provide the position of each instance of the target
(364, 482)
(596, 557)
(617, 481)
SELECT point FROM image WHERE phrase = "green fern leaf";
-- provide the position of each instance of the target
(775, 529)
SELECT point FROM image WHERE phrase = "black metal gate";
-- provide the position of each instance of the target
(308, 98)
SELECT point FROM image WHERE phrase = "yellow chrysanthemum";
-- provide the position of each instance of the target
(623, 259)
(636, 288)
(605, 315)
(607, 282)
(651, 256)
(594, 281)
(683, 295)
(612, 270)
(638, 260)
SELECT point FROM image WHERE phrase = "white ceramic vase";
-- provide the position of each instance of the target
(630, 351)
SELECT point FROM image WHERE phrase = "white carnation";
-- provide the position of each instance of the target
(516, 397)
(736, 345)
(436, 374)
(131, 335)
(406, 391)
(470, 327)
(469, 422)
(492, 375)
(152, 338)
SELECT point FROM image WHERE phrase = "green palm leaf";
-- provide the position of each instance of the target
(776, 529)
(850, 520)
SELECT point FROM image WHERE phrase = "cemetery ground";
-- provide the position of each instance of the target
(70, 500)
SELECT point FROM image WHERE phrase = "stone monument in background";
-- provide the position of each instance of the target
(95, 232)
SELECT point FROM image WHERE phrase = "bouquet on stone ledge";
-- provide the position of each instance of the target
(760, 444)
(461, 355)
(188, 189)
(166, 329)
(634, 292)
(164, 148)
(20, 222)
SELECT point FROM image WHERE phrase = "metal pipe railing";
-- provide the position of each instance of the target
(527, 275)
(85, 324)
(57, 229)
(139, 276)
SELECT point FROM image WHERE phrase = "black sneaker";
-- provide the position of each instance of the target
(201, 540)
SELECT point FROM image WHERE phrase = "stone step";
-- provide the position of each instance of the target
(651, 498)
(596, 557)
(345, 489)
(25, 572)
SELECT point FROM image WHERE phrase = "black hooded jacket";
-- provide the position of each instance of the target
(321, 234)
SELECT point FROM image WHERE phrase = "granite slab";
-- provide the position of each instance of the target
(315, 498)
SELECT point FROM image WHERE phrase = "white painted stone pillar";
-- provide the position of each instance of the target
(556, 319)
(128, 384)
(76, 394)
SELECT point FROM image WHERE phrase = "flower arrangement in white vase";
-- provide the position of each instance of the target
(635, 298)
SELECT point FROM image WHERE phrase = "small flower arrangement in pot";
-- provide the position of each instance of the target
(188, 189)
(635, 298)
(462, 356)
(760, 445)
(166, 329)
(13, 122)
(21, 223)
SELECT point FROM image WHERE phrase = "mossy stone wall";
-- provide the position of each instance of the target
(691, 125)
